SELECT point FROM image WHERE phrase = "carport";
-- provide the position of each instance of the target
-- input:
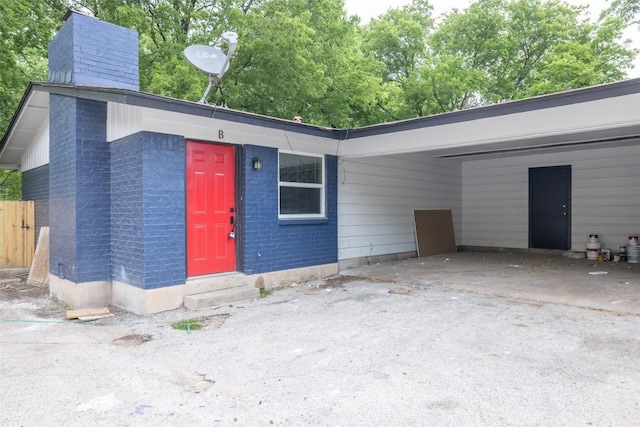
(541, 173)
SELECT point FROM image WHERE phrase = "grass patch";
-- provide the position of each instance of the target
(264, 292)
(188, 324)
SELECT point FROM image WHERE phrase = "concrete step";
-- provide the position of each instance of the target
(201, 285)
(222, 296)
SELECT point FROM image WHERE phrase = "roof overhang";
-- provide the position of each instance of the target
(34, 108)
(600, 115)
(596, 116)
(32, 111)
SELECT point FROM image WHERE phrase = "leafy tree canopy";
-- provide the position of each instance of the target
(627, 10)
(308, 58)
(10, 185)
(26, 27)
(25, 30)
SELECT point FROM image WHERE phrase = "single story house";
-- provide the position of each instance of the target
(154, 202)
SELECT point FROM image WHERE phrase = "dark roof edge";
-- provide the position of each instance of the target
(140, 99)
(204, 110)
(130, 97)
(592, 93)
(70, 12)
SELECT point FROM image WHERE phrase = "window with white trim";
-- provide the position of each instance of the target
(301, 185)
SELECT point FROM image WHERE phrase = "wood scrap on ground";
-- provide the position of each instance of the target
(85, 312)
(92, 318)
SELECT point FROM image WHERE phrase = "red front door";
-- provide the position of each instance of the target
(210, 209)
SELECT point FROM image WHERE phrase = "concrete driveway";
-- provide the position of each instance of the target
(418, 342)
(551, 279)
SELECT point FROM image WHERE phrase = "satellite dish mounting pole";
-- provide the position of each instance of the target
(232, 41)
(212, 79)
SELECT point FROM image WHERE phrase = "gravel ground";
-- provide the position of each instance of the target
(349, 351)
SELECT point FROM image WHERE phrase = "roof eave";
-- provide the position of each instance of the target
(12, 123)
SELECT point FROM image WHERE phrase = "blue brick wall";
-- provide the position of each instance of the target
(148, 210)
(91, 52)
(93, 204)
(62, 186)
(164, 163)
(271, 244)
(79, 201)
(61, 55)
(127, 226)
(35, 186)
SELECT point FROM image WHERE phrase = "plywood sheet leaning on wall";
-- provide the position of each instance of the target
(39, 272)
(434, 232)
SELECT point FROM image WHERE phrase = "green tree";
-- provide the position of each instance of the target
(294, 57)
(503, 50)
(301, 57)
(165, 28)
(397, 42)
(627, 10)
(464, 47)
(10, 185)
(593, 58)
(306, 57)
(25, 30)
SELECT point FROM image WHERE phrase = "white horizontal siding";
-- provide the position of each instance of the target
(605, 197)
(122, 120)
(377, 196)
(37, 153)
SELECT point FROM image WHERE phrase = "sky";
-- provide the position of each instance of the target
(367, 9)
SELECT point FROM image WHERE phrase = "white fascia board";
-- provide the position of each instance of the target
(610, 113)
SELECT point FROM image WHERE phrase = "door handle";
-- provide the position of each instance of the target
(231, 220)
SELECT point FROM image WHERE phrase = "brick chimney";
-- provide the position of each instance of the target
(91, 52)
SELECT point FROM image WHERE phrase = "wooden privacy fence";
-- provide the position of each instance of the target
(17, 233)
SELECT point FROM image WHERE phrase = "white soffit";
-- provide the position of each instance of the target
(610, 118)
(27, 125)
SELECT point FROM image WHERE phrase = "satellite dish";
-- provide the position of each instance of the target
(211, 60)
(207, 59)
